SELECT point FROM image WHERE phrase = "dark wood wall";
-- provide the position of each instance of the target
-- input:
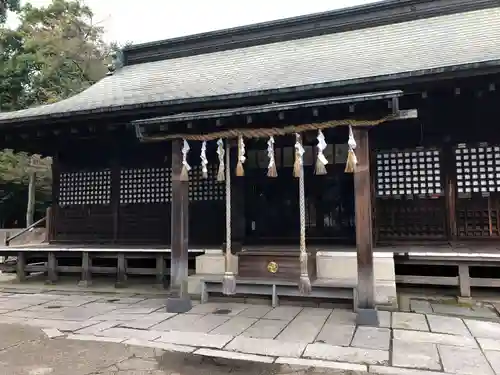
(272, 210)
(119, 192)
(109, 193)
(438, 178)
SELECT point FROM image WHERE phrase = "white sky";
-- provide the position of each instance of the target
(149, 20)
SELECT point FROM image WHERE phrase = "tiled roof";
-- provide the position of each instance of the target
(418, 45)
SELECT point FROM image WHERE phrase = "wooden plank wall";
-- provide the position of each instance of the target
(124, 197)
(438, 178)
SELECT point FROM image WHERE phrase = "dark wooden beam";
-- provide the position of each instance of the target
(450, 191)
(51, 268)
(115, 190)
(237, 205)
(86, 280)
(367, 314)
(160, 270)
(179, 301)
(56, 174)
(49, 225)
(121, 271)
(21, 266)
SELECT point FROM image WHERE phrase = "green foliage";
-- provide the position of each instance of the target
(53, 53)
(8, 5)
(14, 176)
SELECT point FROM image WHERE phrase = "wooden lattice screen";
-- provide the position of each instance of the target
(144, 205)
(85, 187)
(409, 194)
(145, 185)
(478, 188)
(208, 189)
(84, 211)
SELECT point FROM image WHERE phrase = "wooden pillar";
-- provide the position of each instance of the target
(21, 266)
(55, 169)
(238, 225)
(179, 301)
(366, 312)
(115, 192)
(464, 281)
(160, 270)
(86, 273)
(121, 271)
(448, 158)
(48, 225)
(30, 211)
(51, 268)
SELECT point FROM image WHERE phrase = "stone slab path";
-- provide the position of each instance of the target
(27, 351)
(405, 343)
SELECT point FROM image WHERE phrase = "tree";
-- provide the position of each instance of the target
(55, 52)
(8, 5)
(14, 176)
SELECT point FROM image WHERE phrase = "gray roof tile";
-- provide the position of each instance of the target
(405, 47)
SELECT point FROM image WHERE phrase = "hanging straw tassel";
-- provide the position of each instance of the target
(321, 160)
(229, 280)
(271, 168)
(220, 152)
(352, 160)
(185, 166)
(304, 281)
(299, 154)
(204, 160)
(240, 171)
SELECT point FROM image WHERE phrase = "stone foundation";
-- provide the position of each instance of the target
(342, 266)
(334, 266)
(209, 264)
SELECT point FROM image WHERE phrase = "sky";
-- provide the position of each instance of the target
(149, 20)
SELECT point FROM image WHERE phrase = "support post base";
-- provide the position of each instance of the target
(367, 317)
(121, 284)
(84, 283)
(178, 305)
(465, 301)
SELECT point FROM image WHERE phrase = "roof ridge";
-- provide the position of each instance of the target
(370, 15)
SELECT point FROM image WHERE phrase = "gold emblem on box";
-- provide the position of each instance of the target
(272, 267)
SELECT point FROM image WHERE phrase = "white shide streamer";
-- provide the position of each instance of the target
(270, 152)
(185, 151)
(241, 156)
(204, 160)
(321, 147)
(351, 143)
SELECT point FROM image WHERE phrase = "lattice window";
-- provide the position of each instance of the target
(145, 185)
(478, 217)
(478, 169)
(411, 219)
(408, 173)
(208, 189)
(79, 188)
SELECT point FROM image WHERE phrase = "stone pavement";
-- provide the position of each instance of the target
(449, 306)
(27, 351)
(405, 343)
